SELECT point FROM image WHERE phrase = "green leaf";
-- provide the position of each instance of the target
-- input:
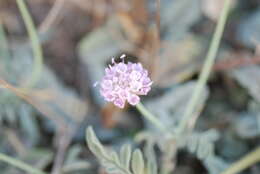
(138, 162)
(115, 158)
(94, 144)
(125, 156)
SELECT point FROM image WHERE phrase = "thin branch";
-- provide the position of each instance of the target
(235, 63)
(52, 16)
(210, 58)
(149, 116)
(245, 162)
(64, 137)
(157, 40)
(37, 51)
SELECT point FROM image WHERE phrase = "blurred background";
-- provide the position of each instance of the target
(45, 126)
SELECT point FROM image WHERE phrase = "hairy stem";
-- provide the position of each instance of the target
(19, 164)
(248, 160)
(204, 75)
(149, 116)
(37, 51)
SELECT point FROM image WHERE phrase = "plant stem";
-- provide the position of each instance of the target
(37, 51)
(210, 58)
(149, 116)
(245, 162)
(20, 164)
(4, 52)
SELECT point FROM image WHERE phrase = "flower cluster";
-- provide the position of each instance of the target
(124, 82)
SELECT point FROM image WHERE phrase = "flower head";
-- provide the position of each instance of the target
(124, 82)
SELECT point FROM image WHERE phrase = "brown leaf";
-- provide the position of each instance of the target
(179, 61)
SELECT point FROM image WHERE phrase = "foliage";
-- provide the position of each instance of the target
(124, 162)
(192, 123)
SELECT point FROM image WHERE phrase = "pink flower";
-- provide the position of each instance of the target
(124, 82)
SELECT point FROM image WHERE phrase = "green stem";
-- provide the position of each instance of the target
(20, 164)
(4, 52)
(248, 160)
(3, 43)
(37, 51)
(210, 58)
(149, 116)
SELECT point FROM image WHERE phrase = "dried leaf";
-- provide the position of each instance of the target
(249, 78)
(179, 60)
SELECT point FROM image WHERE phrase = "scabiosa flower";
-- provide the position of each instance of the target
(124, 82)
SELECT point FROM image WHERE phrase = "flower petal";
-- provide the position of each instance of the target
(133, 99)
(119, 102)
